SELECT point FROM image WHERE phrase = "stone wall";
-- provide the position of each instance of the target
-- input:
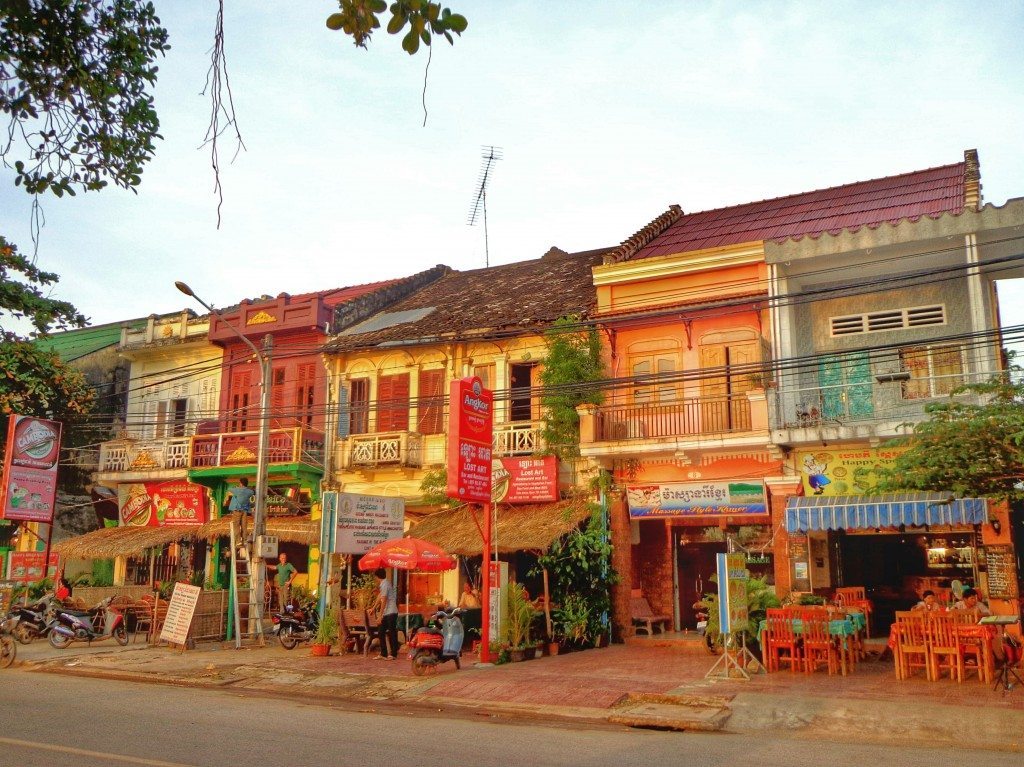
(655, 564)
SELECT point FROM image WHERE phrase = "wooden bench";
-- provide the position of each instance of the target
(358, 630)
(644, 617)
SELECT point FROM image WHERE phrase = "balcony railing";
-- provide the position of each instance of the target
(144, 454)
(518, 438)
(699, 415)
(242, 448)
(400, 448)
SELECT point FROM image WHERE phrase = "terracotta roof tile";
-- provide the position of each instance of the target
(524, 295)
(865, 203)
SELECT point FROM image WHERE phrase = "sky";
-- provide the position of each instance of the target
(606, 113)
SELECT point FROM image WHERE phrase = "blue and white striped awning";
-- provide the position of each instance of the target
(853, 512)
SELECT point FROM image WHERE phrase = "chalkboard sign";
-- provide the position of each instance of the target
(799, 563)
(1002, 576)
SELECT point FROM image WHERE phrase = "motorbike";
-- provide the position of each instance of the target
(295, 624)
(437, 642)
(8, 649)
(33, 621)
(95, 625)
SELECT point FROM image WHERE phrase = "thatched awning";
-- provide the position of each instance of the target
(519, 528)
(110, 542)
(287, 529)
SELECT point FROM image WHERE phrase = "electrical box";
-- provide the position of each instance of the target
(266, 546)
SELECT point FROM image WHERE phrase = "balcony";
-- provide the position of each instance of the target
(518, 438)
(399, 448)
(144, 455)
(687, 417)
(242, 448)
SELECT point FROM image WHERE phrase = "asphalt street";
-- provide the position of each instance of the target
(49, 719)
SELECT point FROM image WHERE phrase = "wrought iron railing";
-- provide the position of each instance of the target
(698, 415)
(242, 448)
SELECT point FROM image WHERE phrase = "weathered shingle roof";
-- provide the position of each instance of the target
(524, 295)
(865, 203)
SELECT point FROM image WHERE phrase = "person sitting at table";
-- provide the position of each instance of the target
(469, 600)
(969, 601)
(928, 602)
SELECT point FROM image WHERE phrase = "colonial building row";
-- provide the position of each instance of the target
(757, 360)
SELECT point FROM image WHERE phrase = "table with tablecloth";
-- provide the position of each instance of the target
(845, 628)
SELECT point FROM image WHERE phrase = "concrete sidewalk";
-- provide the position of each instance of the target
(657, 686)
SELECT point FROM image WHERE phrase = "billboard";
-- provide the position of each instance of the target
(524, 480)
(844, 471)
(160, 504)
(697, 499)
(366, 520)
(28, 566)
(29, 485)
(470, 435)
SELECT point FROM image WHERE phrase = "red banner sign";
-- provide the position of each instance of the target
(525, 480)
(27, 566)
(29, 486)
(159, 504)
(470, 434)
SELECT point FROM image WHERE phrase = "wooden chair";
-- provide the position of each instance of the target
(944, 647)
(911, 651)
(644, 617)
(782, 637)
(143, 612)
(856, 596)
(354, 629)
(818, 644)
(973, 644)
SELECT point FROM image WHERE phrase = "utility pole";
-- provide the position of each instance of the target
(259, 523)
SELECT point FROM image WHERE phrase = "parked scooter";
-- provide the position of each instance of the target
(8, 649)
(99, 623)
(439, 641)
(295, 624)
(33, 621)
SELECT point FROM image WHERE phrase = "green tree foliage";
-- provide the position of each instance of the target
(22, 297)
(424, 19)
(571, 374)
(434, 487)
(582, 576)
(970, 450)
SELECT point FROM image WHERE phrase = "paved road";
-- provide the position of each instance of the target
(49, 719)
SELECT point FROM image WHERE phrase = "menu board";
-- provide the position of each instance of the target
(798, 557)
(1002, 575)
(179, 613)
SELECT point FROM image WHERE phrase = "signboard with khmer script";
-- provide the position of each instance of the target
(366, 520)
(697, 499)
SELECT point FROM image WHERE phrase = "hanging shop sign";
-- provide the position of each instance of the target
(29, 485)
(524, 480)
(849, 471)
(697, 499)
(161, 504)
(29, 566)
(470, 435)
(366, 520)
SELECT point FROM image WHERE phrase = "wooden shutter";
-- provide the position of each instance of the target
(393, 403)
(714, 389)
(162, 418)
(305, 382)
(238, 401)
(278, 417)
(359, 406)
(431, 402)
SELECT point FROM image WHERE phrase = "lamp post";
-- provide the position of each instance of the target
(259, 521)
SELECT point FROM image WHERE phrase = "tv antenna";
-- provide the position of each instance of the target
(490, 155)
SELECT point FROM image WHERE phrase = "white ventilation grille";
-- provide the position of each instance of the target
(894, 319)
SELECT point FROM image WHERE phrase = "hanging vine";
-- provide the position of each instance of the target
(571, 377)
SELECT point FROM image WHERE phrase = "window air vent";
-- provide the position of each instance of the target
(894, 319)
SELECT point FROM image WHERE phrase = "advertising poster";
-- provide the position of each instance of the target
(524, 480)
(160, 504)
(732, 592)
(697, 499)
(28, 566)
(29, 485)
(470, 434)
(850, 471)
(366, 520)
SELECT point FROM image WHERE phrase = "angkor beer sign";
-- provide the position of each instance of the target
(29, 486)
(470, 434)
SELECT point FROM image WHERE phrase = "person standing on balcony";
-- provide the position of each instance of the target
(239, 497)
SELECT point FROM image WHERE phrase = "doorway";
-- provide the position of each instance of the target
(695, 564)
(523, 379)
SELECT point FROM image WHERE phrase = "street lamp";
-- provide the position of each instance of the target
(259, 522)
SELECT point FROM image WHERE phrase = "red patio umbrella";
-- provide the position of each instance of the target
(408, 554)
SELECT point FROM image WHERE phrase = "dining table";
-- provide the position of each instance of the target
(844, 626)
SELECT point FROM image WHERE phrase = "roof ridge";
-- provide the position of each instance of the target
(642, 236)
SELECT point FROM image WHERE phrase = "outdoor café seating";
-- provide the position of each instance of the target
(944, 643)
(807, 636)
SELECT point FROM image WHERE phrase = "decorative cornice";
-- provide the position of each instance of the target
(261, 318)
(680, 263)
(642, 237)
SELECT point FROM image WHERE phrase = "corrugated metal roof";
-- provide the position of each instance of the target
(73, 344)
(865, 203)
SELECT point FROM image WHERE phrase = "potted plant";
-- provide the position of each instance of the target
(573, 621)
(326, 634)
(519, 620)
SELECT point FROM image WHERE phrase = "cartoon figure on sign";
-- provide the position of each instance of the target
(815, 467)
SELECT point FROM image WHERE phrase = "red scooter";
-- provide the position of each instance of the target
(439, 641)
